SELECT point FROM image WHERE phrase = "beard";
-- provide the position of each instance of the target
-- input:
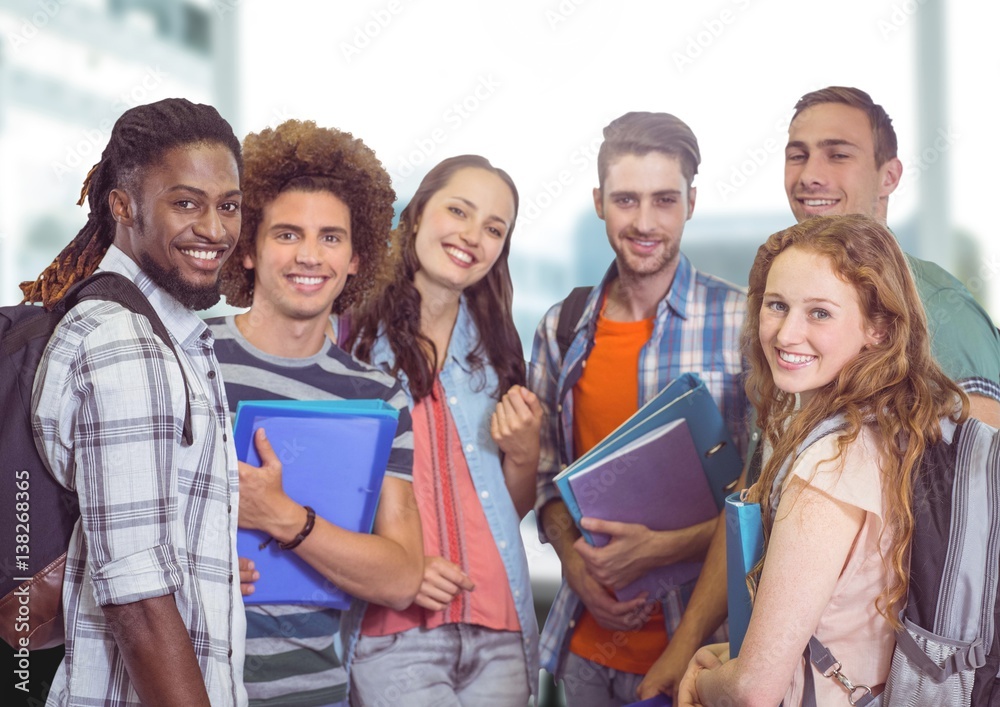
(191, 296)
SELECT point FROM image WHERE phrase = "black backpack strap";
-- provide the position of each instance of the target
(112, 287)
(569, 317)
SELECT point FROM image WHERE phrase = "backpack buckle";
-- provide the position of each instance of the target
(834, 672)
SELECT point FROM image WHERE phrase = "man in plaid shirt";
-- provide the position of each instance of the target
(150, 599)
(652, 318)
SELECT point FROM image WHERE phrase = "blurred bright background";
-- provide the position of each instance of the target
(530, 85)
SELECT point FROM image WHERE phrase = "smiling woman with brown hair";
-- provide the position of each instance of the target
(444, 327)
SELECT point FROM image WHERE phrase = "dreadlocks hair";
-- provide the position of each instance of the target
(139, 139)
(299, 156)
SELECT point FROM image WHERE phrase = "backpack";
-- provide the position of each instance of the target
(569, 317)
(948, 649)
(38, 514)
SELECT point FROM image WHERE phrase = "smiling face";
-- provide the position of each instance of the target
(185, 221)
(303, 255)
(462, 230)
(644, 203)
(811, 323)
(830, 165)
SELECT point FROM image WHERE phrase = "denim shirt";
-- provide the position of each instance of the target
(472, 399)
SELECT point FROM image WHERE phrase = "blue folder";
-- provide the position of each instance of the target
(686, 397)
(744, 548)
(333, 455)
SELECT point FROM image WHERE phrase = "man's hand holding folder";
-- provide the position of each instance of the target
(609, 613)
(634, 550)
(263, 501)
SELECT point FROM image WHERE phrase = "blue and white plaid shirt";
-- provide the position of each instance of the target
(156, 517)
(697, 330)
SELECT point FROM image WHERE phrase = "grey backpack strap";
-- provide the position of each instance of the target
(820, 656)
(826, 427)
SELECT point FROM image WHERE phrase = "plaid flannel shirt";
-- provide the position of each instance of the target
(156, 517)
(697, 330)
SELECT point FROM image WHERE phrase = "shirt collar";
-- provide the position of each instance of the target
(676, 298)
(463, 340)
(182, 323)
(463, 337)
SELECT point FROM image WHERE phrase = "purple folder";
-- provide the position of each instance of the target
(655, 701)
(658, 481)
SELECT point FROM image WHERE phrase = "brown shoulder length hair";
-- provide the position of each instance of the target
(895, 386)
(395, 312)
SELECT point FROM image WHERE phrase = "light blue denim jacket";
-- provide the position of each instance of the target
(471, 396)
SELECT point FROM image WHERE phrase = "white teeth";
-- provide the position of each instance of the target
(202, 254)
(457, 253)
(819, 202)
(299, 280)
(794, 358)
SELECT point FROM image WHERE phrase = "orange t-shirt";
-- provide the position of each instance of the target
(606, 395)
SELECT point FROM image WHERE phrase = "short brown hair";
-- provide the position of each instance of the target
(883, 135)
(639, 133)
(299, 156)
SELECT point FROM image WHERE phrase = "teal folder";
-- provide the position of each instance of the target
(744, 548)
(686, 397)
(333, 455)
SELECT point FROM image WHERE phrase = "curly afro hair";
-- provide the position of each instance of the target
(298, 155)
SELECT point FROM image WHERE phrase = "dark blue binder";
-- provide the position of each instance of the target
(333, 455)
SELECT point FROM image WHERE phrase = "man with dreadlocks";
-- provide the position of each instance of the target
(151, 608)
(316, 220)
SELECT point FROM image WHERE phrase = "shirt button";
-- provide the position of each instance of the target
(559, 407)
(583, 365)
(453, 400)
(470, 448)
(205, 334)
(225, 437)
(517, 592)
(229, 508)
(211, 374)
(503, 544)
(572, 623)
(230, 579)
(485, 494)
(230, 652)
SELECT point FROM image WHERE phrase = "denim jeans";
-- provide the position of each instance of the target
(454, 664)
(590, 684)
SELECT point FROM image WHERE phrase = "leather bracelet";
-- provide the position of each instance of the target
(310, 522)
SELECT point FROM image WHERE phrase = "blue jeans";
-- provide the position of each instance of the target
(452, 665)
(590, 684)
